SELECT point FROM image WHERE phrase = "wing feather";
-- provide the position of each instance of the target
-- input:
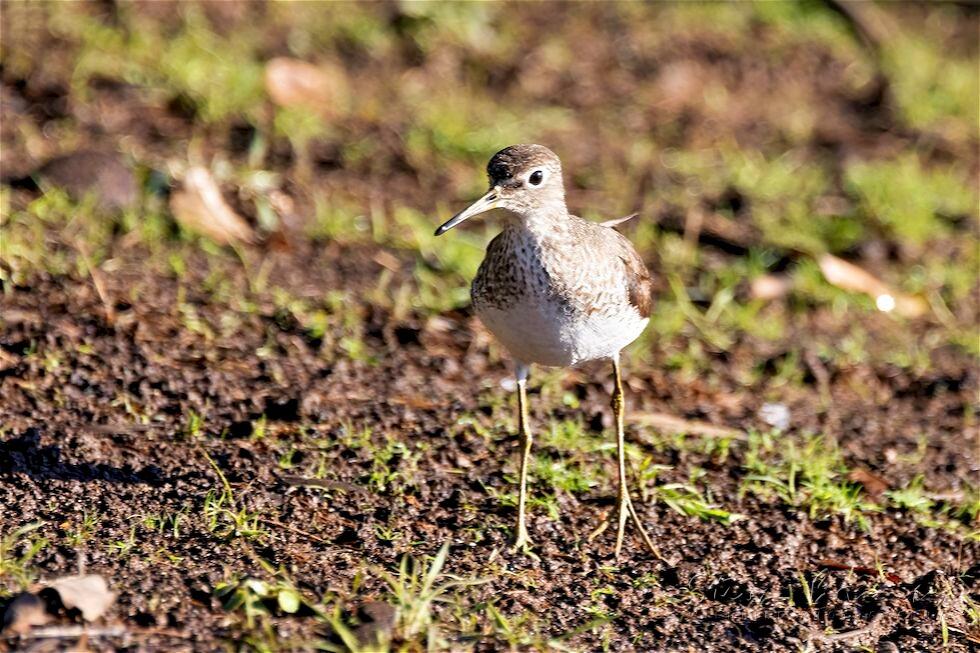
(639, 284)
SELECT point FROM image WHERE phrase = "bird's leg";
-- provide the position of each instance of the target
(523, 541)
(625, 503)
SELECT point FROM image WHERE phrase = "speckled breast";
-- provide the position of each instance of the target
(548, 311)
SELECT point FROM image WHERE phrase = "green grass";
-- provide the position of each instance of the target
(429, 607)
(77, 534)
(219, 75)
(251, 596)
(18, 547)
(685, 498)
(909, 200)
(934, 90)
(224, 517)
(394, 467)
(912, 497)
(811, 475)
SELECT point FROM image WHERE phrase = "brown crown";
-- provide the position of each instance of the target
(512, 161)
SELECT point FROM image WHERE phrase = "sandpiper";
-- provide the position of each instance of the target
(556, 290)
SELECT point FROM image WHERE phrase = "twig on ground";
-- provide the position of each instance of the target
(80, 630)
(322, 483)
(291, 529)
(674, 424)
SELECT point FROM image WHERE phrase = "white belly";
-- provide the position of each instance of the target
(542, 333)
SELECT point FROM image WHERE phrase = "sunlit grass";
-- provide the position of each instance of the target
(18, 547)
(934, 90)
(812, 475)
(909, 200)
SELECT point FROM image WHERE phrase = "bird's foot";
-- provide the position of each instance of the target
(523, 543)
(626, 509)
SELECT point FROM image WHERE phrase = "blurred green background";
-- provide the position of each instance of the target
(753, 139)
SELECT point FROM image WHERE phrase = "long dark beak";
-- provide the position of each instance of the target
(482, 205)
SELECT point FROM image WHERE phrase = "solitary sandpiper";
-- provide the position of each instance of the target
(556, 290)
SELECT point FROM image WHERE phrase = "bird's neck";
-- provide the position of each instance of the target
(543, 222)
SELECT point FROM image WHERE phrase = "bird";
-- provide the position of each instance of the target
(557, 291)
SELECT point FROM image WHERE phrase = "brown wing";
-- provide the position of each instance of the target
(638, 282)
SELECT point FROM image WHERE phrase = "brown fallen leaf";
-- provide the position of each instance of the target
(415, 401)
(388, 261)
(103, 174)
(295, 83)
(90, 594)
(873, 484)
(848, 276)
(23, 613)
(200, 207)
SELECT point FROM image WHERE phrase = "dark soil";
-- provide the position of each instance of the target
(71, 447)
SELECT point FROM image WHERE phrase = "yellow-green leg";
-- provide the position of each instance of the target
(523, 541)
(625, 503)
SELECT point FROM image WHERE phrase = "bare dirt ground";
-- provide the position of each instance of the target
(181, 417)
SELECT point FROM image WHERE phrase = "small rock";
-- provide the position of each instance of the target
(437, 324)
(775, 415)
(378, 620)
(24, 612)
(87, 172)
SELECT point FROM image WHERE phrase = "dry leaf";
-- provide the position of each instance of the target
(850, 277)
(295, 83)
(23, 613)
(388, 261)
(90, 594)
(873, 484)
(770, 286)
(201, 208)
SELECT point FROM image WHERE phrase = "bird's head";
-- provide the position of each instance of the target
(524, 179)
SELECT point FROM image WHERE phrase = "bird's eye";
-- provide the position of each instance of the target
(536, 178)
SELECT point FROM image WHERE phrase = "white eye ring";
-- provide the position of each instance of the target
(537, 177)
